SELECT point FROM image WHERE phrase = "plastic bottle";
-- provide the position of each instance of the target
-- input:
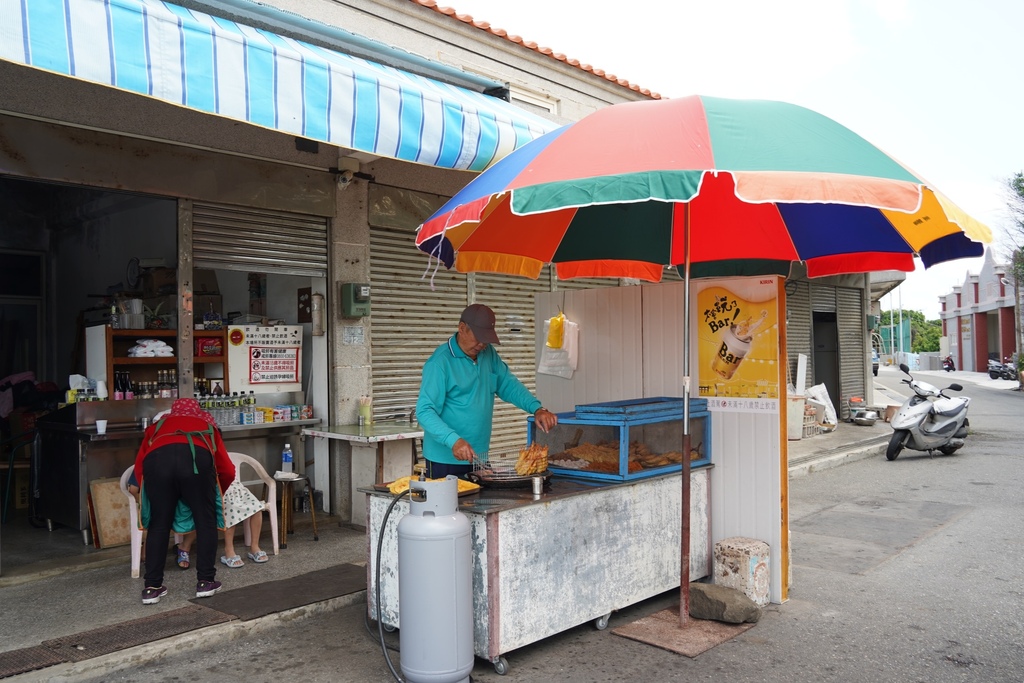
(286, 458)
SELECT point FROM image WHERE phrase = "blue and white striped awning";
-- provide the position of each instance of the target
(221, 67)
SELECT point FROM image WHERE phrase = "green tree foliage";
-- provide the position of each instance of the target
(924, 334)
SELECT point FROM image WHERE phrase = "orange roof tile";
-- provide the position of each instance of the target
(530, 45)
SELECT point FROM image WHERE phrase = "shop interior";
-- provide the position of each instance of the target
(67, 255)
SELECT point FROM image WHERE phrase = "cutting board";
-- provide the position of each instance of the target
(111, 513)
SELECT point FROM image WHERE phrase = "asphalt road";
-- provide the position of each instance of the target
(908, 570)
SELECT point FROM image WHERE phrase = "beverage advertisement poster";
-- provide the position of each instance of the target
(737, 336)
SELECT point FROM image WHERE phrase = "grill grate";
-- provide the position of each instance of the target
(27, 659)
(101, 641)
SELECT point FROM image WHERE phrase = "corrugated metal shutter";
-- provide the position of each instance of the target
(798, 328)
(823, 298)
(237, 238)
(852, 351)
(408, 319)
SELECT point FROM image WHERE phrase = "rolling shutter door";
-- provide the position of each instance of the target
(408, 320)
(852, 351)
(261, 241)
(798, 329)
(823, 299)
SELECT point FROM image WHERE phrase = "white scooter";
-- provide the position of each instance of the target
(929, 420)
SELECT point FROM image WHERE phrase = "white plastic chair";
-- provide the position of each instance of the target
(133, 523)
(270, 504)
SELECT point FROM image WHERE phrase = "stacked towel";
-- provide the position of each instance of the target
(151, 348)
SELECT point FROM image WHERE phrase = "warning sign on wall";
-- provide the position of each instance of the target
(265, 359)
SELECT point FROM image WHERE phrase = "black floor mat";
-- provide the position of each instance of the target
(257, 600)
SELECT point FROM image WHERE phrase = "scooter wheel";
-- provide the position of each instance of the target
(994, 375)
(948, 450)
(899, 438)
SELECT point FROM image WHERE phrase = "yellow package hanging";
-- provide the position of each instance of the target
(555, 327)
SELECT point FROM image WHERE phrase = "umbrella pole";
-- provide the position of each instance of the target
(684, 533)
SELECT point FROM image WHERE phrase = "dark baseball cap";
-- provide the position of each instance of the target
(481, 320)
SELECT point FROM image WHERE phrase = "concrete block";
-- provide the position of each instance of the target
(743, 564)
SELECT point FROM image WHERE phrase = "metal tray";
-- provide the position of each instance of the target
(499, 480)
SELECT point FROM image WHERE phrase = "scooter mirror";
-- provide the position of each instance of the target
(904, 368)
(956, 387)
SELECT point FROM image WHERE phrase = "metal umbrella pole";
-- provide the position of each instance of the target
(684, 532)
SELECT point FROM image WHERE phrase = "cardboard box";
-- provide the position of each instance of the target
(20, 489)
(162, 281)
(204, 282)
(159, 281)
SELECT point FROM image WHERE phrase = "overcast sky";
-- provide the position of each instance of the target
(935, 83)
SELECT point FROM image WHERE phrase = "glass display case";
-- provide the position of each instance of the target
(623, 440)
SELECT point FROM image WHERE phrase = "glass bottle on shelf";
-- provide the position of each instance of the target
(118, 385)
(172, 382)
(129, 390)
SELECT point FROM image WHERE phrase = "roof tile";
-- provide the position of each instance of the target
(530, 45)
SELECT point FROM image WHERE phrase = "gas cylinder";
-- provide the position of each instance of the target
(435, 585)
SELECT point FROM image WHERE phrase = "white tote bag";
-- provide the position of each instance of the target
(560, 362)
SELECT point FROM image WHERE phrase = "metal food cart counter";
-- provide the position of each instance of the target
(543, 564)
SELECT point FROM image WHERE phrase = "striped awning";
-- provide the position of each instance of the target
(221, 67)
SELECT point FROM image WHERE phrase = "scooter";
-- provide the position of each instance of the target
(947, 364)
(1004, 370)
(929, 420)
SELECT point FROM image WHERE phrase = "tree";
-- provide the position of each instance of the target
(924, 334)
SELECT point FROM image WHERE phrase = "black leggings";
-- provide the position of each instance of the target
(168, 477)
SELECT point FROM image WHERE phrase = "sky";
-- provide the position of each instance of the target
(934, 83)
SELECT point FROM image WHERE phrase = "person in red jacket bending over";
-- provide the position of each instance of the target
(182, 457)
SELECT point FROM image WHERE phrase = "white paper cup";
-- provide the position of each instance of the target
(101, 426)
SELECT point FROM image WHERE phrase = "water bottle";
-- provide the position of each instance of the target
(286, 458)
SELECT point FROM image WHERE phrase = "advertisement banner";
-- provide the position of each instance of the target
(737, 324)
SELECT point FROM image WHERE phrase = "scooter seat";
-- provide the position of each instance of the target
(948, 408)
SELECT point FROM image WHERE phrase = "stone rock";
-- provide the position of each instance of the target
(720, 603)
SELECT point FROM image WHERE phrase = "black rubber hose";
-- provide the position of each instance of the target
(380, 622)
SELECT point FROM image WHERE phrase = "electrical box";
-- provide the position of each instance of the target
(355, 299)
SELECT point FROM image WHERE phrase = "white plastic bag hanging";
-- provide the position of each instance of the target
(560, 362)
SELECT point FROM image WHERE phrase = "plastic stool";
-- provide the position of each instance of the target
(287, 493)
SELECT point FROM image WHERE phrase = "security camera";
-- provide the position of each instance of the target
(345, 179)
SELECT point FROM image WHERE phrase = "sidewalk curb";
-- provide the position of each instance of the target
(842, 457)
(211, 636)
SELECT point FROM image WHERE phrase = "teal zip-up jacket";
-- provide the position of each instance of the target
(457, 399)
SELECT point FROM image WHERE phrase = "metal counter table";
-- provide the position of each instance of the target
(542, 565)
(382, 451)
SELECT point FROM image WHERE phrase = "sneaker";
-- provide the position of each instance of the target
(151, 595)
(205, 589)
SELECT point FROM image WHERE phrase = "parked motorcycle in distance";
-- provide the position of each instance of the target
(948, 365)
(929, 420)
(1004, 370)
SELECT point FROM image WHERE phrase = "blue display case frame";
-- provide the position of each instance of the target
(656, 422)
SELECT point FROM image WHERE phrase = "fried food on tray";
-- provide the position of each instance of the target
(401, 484)
(532, 460)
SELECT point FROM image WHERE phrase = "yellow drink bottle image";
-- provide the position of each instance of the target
(736, 343)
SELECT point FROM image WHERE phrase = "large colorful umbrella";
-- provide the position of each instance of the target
(715, 186)
(758, 185)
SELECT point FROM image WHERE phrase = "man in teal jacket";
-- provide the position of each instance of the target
(456, 401)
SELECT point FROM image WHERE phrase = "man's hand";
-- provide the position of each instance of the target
(545, 419)
(462, 450)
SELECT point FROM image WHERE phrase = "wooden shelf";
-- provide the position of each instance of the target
(113, 346)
